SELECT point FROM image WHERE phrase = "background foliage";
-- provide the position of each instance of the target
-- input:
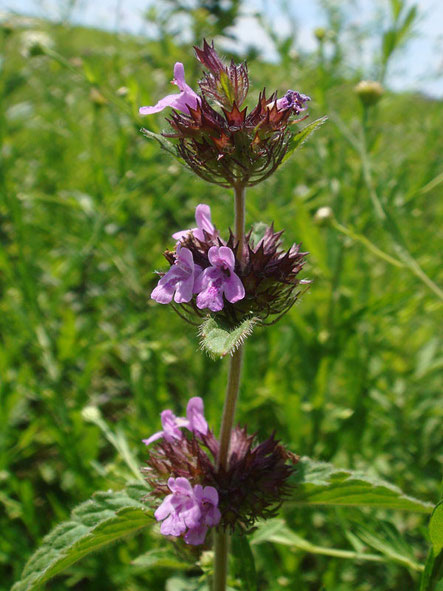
(87, 207)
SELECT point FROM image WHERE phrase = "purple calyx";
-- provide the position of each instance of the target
(186, 99)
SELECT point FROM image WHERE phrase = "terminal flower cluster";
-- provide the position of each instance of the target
(196, 495)
(205, 273)
(217, 138)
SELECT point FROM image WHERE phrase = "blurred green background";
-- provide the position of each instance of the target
(87, 205)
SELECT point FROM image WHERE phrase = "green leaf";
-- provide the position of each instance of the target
(318, 483)
(218, 340)
(164, 143)
(107, 517)
(299, 139)
(244, 563)
(277, 532)
(432, 579)
(384, 538)
(161, 558)
(436, 528)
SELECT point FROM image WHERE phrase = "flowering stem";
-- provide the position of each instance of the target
(229, 408)
(221, 537)
(221, 548)
(239, 220)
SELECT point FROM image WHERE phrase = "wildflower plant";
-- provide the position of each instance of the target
(227, 282)
(203, 488)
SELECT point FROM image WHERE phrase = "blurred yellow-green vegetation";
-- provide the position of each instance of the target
(88, 205)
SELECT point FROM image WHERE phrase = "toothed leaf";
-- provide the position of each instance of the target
(318, 483)
(299, 139)
(164, 143)
(218, 340)
(106, 517)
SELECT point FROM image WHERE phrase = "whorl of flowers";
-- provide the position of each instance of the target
(196, 495)
(218, 140)
(205, 273)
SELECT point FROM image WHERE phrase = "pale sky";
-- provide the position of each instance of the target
(419, 67)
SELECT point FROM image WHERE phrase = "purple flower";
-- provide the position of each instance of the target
(294, 100)
(186, 98)
(178, 281)
(188, 511)
(218, 280)
(195, 422)
(170, 424)
(210, 515)
(180, 510)
(203, 219)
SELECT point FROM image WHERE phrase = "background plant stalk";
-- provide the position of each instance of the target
(221, 537)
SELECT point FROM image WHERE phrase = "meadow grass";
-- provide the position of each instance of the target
(87, 207)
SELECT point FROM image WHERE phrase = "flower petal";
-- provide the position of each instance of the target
(154, 437)
(184, 290)
(164, 509)
(196, 535)
(212, 298)
(210, 495)
(227, 256)
(195, 416)
(183, 233)
(233, 288)
(203, 218)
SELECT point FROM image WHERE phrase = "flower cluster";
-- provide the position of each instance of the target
(229, 146)
(205, 273)
(188, 510)
(196, 494)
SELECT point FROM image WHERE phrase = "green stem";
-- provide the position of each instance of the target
(239, 220)
(221, 537)
(229, 408)
(221, 549)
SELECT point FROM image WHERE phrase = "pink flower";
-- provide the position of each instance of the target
(218, 280)
(203, 219)
(178, 283)
(179, 510)
(170, 424)
(186, 98)
(189, 511)
(195, 422)
(292, 100)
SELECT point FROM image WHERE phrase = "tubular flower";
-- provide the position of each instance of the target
(188, 511)
(252, 487)
(195, 421)
(219, 279)
(220, 140)
(204, 224)
(178, 283)
(186, 99)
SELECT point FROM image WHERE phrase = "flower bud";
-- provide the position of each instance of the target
(35, 43)
(323, 216)
(369, 92)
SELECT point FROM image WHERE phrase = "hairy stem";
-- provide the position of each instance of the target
(239, 220)
(229, 408)
(221, 549)
(221, 537)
